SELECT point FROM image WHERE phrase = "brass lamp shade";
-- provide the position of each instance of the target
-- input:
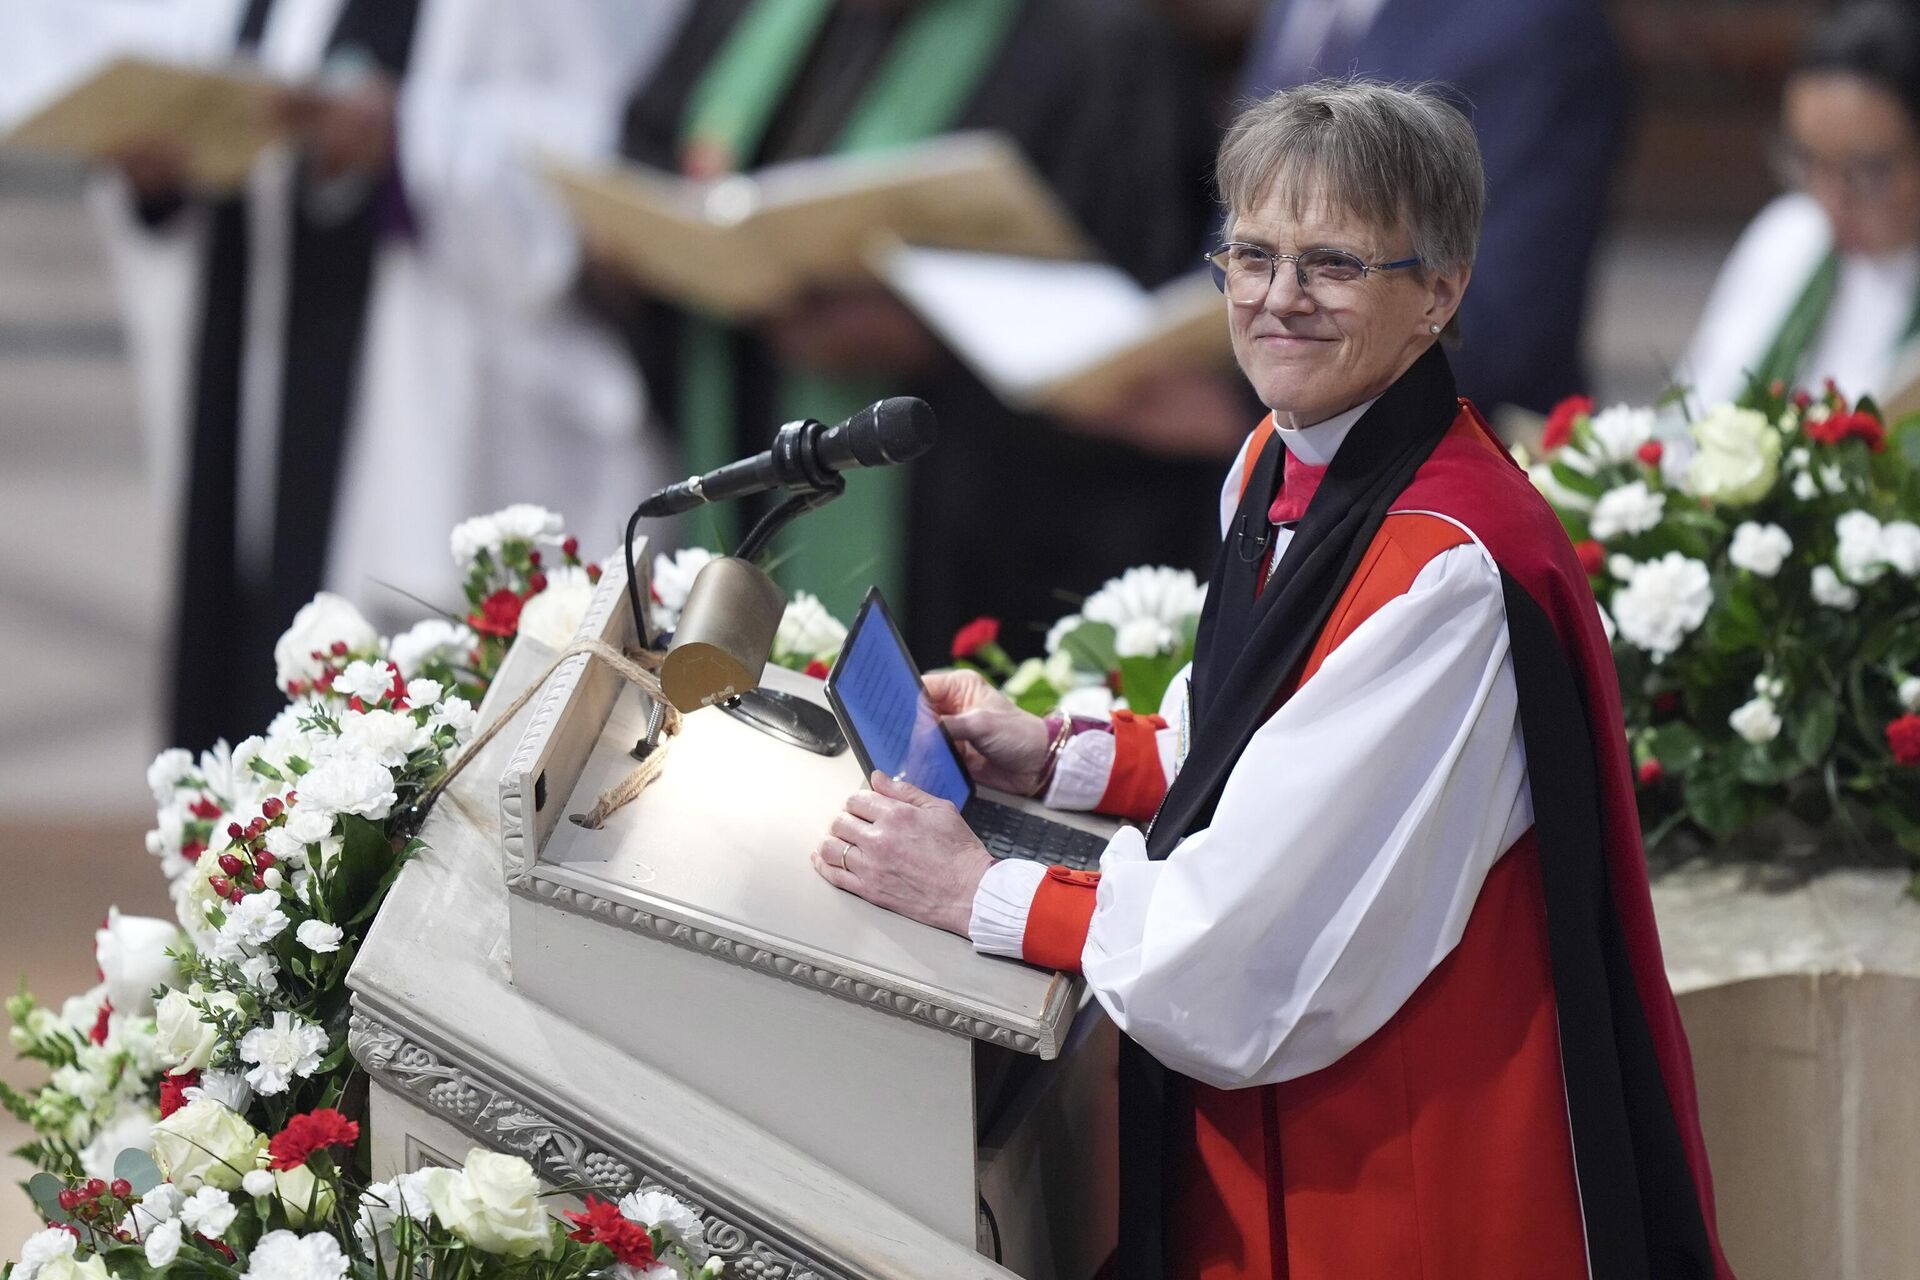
(726, 632)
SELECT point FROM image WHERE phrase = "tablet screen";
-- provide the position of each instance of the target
(886, 711)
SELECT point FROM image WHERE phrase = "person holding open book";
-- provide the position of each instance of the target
(1384, 954)
(1097, 97)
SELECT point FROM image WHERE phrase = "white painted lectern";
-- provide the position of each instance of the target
(677, 998)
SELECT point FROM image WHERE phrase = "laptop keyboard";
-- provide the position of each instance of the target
(1015, 833)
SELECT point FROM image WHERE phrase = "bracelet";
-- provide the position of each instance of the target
(1052, 758)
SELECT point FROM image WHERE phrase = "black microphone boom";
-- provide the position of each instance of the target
(805, 455)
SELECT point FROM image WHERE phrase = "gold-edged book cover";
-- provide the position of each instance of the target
(743, 245)
(220, 117)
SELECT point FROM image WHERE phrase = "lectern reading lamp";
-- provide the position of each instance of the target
(719, 648)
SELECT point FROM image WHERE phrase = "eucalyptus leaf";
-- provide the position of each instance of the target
(138, 1168)
(44, 1190)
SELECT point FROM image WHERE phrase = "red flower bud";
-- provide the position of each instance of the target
(220, 885)
(231, 864)
(325, 682)
(236, 831)
(594, 572)
(1651, 452)
(533, 559)
(536, 584)
(570, 548)
(121, 1188)
(1651, 771)
(192, 851)
(263, 860)
(1777, 388)
(338, 648)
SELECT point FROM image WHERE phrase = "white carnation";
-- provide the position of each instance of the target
(283, 1255)
(1169, 596)
(1833, 479)
(807, 630)
(672, 579)
(1804, 488)
(322, 621)
(348, 785)
(434, 640)
(367, 681)
(457, 712)
(1900, 547)
(42, 1247)
(422, 692)
(1620, 565)
(1859, 554)
(290, 1046)
(1910, 694)
(257, 1182)
(1756, 721)
(208, 1212)
(319, 936)
(160, 1204)
(385, 737)
(676, 1221)
(1664, 601)
(552, 616)
(1629, 508)
(1618, 433)
(1760, 548)
(1828, 590)
(1143, 638)
(169, 769)
(522, 522)
(163, 1245)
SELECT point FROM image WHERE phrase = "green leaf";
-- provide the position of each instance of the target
(366, 856)
(1813, 731)
(1676, 746)
(1577, 481)
(1717, 803)
(1144, 681)
(1091, 646)
(44, 1190)
(138, 1168)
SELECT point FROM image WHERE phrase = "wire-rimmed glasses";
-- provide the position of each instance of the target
(1244, 272)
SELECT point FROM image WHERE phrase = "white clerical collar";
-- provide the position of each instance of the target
(1316, 445)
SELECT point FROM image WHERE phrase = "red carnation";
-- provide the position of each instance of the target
(1593, 556)
(1651, 771)
(499, 615)
(1559, 428)
(173, 1091)
(1841, 425)
(818, 669)
(1651, 452)
(975, 636)
(1903, 739)
(100, 1024)
(603, 1223)
(306, 1134)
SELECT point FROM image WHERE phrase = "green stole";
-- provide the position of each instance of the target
(1788, 351)
(928, 76)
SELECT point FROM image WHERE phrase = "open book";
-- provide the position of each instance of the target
(742, 245)
(1064, 337)
(219, 117)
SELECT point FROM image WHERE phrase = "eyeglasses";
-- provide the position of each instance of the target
(1865, 177)
(1244, 272)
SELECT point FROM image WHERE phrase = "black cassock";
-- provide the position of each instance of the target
(1008, 511)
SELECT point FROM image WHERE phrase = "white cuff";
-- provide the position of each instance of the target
(1001, 904)
(1081, 773)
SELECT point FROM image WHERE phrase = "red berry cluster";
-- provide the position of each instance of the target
(98, 1203)
(333, 660)
(242, 866)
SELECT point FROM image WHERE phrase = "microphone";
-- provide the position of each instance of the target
(805, 455)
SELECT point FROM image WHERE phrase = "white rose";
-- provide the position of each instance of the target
(676, 1220)
(1738, 457)
(554, 615)
(305, 1198)
(385, 737)
(94, 1268)
(1756, 721)
(185, 1039)
(318, 935)
(131, 952)
(434, 640)
(1910, 694)
(493, 1204)
(1665, 601)
(1900, 546)
(1618, 433)
(807, 630)
(163, 1245)
(1760, 549)
(322, 621)
(1859, 554)
(204, 1144)
(1629, 508)
(1828, 590)
(348, 784)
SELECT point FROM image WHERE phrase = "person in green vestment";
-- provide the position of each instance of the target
(1010, 515)
(1825, 282)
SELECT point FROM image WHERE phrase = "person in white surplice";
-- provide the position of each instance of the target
(319, 412)
(1825, 282)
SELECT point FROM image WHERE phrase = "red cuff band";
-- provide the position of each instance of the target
(1136, 785)
(1057, 922)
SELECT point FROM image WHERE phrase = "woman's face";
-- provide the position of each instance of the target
(1851, 145)
(1312, 354)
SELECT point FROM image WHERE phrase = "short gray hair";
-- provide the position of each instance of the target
(1400, 156)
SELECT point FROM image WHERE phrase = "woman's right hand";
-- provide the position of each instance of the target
(1003, 746)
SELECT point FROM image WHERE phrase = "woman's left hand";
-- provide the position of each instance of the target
(902, 849)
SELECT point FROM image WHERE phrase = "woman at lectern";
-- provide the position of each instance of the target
(1383, 953)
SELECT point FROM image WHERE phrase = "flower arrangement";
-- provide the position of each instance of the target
(1759, 572)
(228, 1023)
(1123, 649)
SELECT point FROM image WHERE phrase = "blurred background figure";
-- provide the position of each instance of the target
(1543, 83)
(389, 293)
(1100, 96)
(1825, 282)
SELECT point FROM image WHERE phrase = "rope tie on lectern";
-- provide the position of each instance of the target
(639, 667)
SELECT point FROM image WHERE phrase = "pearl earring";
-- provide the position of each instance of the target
(1433, 328)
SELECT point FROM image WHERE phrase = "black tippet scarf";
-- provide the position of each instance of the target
(226, 625)
(1251, 645)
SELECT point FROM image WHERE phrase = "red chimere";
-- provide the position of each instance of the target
(603, 1223)
(306, 1134)
(173, 1091)
(499, 614)
(1559, 428)
(1903, 739)
(975, 636)
(1593, 556)
(1841, 425)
